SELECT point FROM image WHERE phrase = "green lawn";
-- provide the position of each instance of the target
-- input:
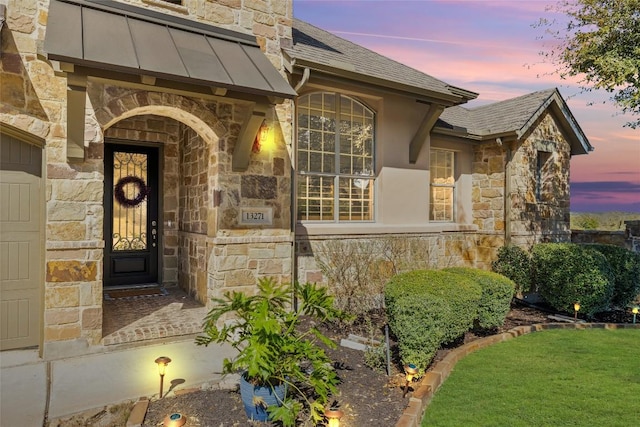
(549, 378)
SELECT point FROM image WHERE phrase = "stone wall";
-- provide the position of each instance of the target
(488, 187)
(193, 212)
(629, 238)
(360, 265)
(543, 219)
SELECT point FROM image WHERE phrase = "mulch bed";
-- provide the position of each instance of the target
(367, 397)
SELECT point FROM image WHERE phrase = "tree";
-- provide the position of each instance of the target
(600, 44)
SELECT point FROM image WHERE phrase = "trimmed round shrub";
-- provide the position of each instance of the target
(625, 267)
(515, 263)
(497, 292)
(565, 273)
(427, 308)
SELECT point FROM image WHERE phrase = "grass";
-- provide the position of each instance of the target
(548, 378)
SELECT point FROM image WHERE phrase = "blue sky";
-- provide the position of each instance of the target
(492, 47)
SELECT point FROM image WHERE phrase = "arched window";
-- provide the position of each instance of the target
(335, 158)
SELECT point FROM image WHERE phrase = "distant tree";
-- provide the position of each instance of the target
(600, 44)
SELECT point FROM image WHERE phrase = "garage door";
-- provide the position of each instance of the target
(20, 243)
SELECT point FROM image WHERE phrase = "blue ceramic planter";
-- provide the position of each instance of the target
(256, 399)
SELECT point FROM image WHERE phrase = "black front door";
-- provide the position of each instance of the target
(131, 215)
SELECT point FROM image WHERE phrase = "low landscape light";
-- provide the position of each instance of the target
(174, 420)
(410, 371)
(576, 309)
(634, 310)
(162, 363)
(333, 416)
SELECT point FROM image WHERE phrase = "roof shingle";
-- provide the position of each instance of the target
(314, 45)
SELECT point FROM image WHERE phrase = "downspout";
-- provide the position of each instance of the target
(507, 192)
(294, 185)
(303, 81)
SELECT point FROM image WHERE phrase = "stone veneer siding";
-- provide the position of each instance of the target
(400, 251)
(532, 220)
(547, 219)
(34, 99)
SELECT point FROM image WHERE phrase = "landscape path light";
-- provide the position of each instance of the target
(410, 371)
(576, 309)
(634, 310)
(174, 420)
(162, 363)
(333, 416)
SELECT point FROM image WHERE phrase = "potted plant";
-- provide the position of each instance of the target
(276, 352)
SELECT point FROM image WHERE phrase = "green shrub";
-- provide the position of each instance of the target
(565, 273)
(497, 292)
(625, 266)
(515, 263)
(427, 308)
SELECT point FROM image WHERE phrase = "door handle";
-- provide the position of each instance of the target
(154, 233)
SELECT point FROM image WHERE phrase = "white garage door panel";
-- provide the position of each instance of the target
(17, 320)
(19, 205)
(20, 244)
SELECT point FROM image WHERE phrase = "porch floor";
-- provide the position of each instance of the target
(147, 318)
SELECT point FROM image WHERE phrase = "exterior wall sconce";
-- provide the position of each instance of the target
(576, 309)
(162, 363)
(262, 138)
(635, 310)
(410, 371)
(333, 417)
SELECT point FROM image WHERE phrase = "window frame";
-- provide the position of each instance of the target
(367, 181)
(543, 158)
(442, 185)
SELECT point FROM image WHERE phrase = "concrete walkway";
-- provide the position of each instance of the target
(33, 390)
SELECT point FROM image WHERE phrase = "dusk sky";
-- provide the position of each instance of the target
(492, 47)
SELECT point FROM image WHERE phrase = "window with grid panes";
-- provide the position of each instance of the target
(442, 185)
(335, 158)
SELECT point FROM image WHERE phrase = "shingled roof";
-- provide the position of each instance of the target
(512, 117)
(320, 50)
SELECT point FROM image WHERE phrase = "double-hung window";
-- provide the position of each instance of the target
(335, 158)
(443, 184)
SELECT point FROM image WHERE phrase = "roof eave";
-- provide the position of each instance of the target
(577, 139)
(445, 99)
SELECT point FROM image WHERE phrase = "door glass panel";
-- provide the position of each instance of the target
(130, 193)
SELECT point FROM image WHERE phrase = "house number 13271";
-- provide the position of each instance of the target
(256, 216)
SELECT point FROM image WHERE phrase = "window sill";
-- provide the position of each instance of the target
(316, 229)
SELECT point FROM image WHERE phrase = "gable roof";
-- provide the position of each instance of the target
(322, 51)
(513, 117)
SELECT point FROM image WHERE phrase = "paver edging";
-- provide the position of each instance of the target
(434, 378)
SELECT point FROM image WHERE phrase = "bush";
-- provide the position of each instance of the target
(625, 266)
(515, 263)
(497, 292)
(565, 273)
(427, 308)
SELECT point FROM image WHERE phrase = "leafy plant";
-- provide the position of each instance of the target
(514, 263)
(625, 266)
(375, 357)
(566, 273)
(497, 292)
(274, 347)
(427, 308)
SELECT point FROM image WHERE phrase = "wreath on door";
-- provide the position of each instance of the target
(121, 197)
